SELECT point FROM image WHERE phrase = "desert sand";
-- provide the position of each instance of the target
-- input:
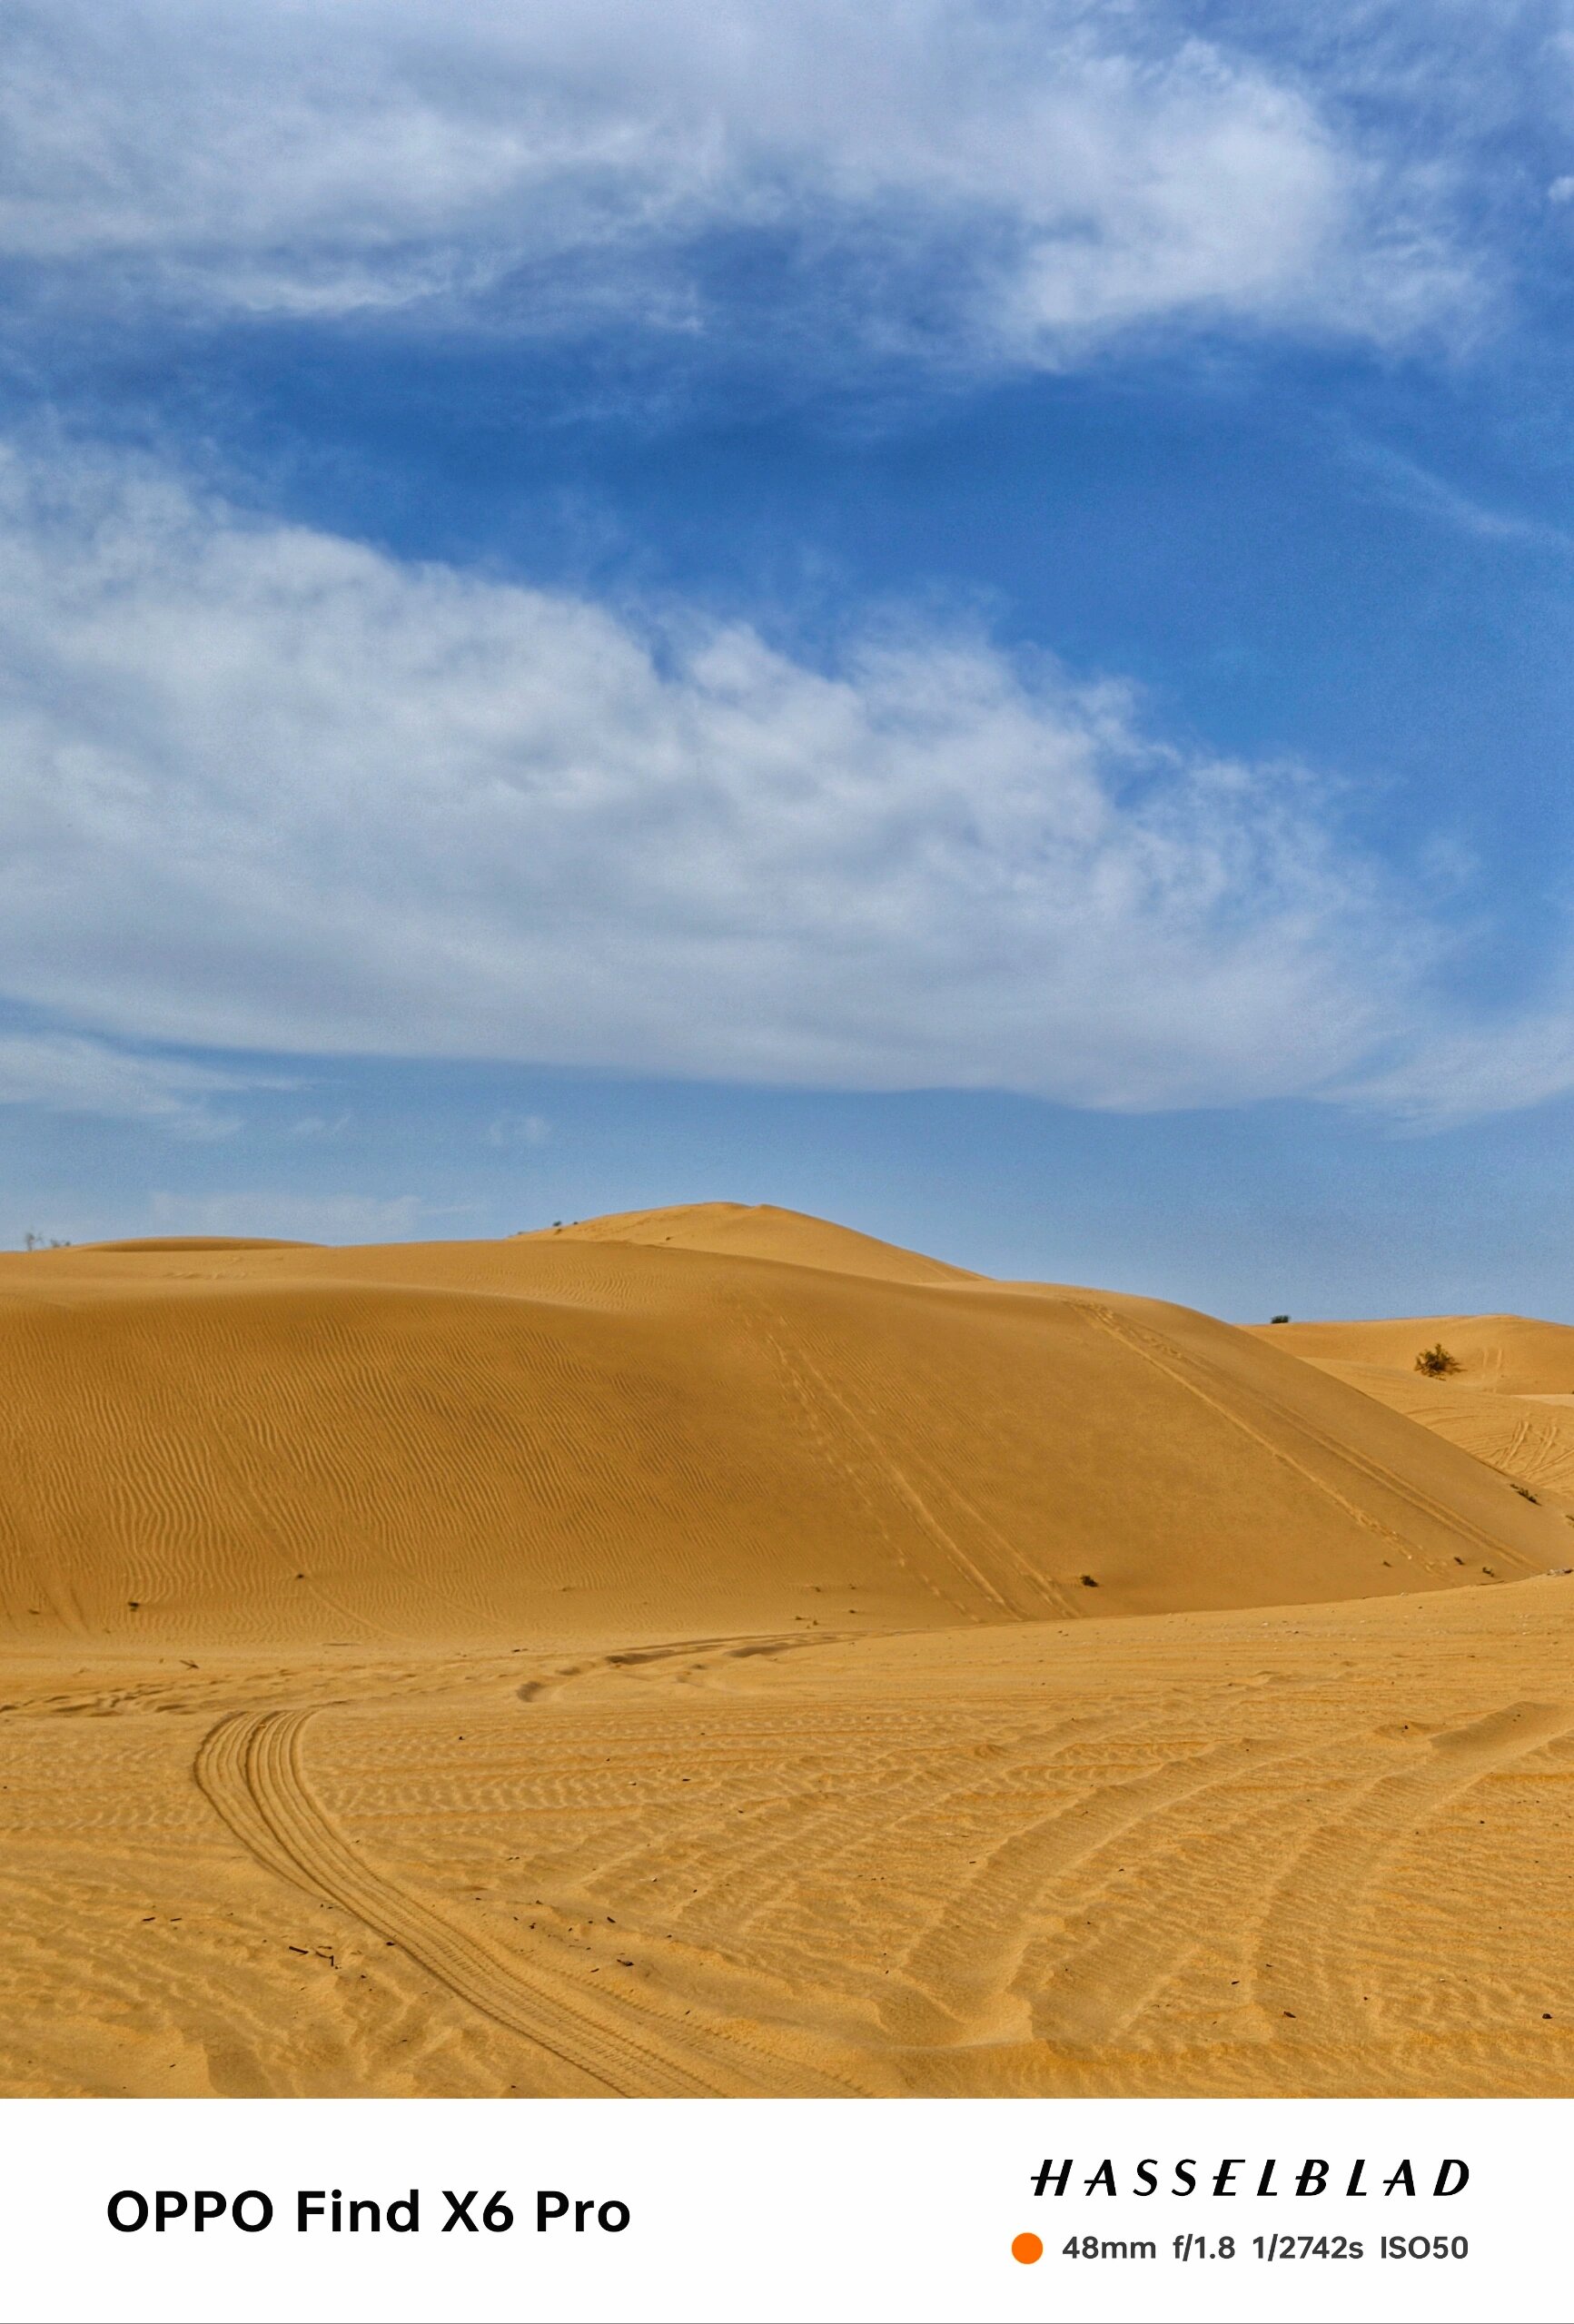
(711, 1652)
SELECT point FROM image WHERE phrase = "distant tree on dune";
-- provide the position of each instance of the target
(1437, 1362)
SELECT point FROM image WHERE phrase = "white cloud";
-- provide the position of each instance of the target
(265, 789)
(64, 1073)
(1027, 178)
(1458, 1072)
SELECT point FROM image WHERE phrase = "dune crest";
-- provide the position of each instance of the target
(761, 1231)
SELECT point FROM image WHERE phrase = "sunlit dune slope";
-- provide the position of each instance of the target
(1516, 1355)
(566, 1437)
(1529, 1439)
(1523, 1431)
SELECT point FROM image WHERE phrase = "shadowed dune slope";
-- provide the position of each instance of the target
(576, 1436)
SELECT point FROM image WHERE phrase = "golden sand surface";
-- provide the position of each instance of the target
(710, 1652)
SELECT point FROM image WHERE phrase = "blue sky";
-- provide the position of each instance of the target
(954, 614)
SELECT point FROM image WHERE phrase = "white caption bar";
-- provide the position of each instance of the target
(409, 2212)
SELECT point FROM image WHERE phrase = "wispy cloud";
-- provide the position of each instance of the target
(268, 790)
(66, 1073)
(1501, 1062)
(1406, 484)
(995, 182)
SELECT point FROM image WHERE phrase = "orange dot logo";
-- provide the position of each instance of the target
(1027, 2248)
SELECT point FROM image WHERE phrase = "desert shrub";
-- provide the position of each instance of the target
(1279, 1319)
(1437, 1363)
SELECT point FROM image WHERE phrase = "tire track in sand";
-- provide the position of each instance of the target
(251, 1769)
(1324, 1906)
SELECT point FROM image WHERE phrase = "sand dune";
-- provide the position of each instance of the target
(675, 1653)
(1528, 1439)
(1491, 1408)
(277, 1444)
(1512, 1355)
